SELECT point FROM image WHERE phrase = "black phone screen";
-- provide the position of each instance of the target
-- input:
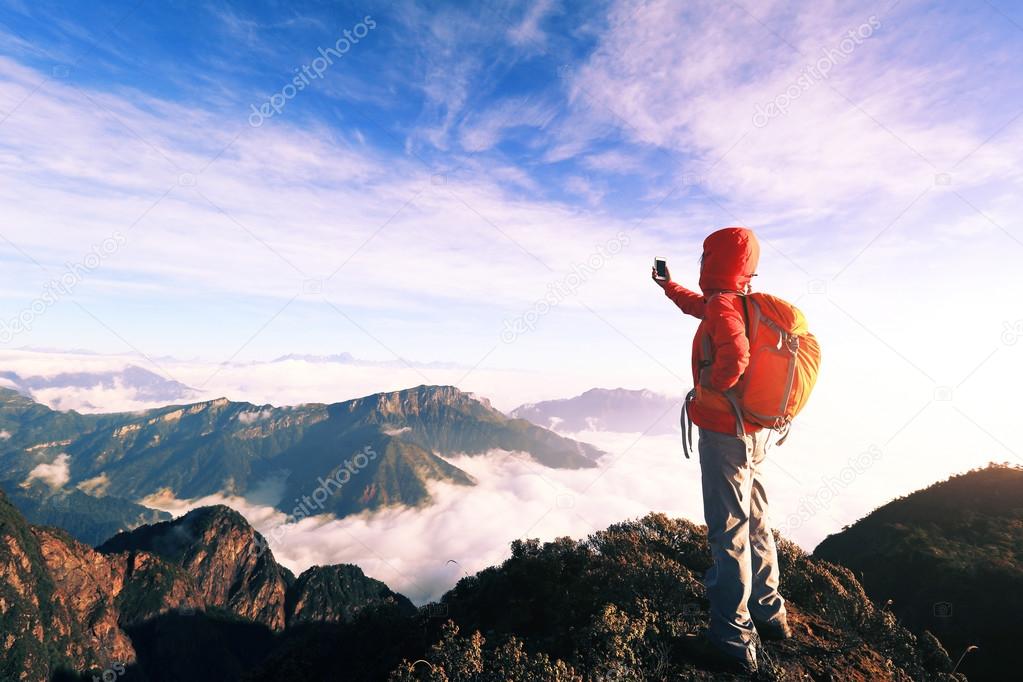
(661, 267)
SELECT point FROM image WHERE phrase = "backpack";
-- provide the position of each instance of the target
(784, 362)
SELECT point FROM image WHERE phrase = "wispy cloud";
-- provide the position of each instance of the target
(678, 80)
(528, 30)
(55, 474)
(480, 132)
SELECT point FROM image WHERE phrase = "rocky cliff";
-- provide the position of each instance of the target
(200, 596)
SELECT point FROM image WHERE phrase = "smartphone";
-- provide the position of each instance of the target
(661, 268)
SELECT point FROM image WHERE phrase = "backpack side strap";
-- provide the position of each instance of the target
(687, 424)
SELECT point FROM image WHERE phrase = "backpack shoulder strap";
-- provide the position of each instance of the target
(745, 314)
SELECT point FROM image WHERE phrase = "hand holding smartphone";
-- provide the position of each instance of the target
(661, 269)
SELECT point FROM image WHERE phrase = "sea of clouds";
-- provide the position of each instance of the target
(423, 552)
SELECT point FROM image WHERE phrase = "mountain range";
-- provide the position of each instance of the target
(142, 384)
(87, 381)
(949, 558)
(342, 458)
(602, 409)
(201, 598)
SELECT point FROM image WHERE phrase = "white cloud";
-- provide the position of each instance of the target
(528, 30)
(55, 474)
(97, 485)
(679, 80)
(111, 180)
(617, 161)
(483, 131)
(584, 189)
(253, 416)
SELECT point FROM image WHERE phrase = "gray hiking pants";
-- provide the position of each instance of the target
(743, 582)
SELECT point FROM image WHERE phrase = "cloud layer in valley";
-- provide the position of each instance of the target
(424, 552)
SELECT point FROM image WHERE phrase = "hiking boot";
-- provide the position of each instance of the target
(773, 631)
(700, 648)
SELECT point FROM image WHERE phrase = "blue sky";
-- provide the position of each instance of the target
(440, 81)
(461, 159)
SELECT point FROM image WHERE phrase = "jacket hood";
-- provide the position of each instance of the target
(730, 257)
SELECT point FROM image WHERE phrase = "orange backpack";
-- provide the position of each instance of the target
(784, 361)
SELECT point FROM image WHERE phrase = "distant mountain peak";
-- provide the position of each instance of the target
(422, 401)
(603, 409)
(214, 403)
(145, 384)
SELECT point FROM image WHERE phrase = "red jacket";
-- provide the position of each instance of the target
(730, 258)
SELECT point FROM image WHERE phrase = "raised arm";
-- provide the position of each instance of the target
(690, 302)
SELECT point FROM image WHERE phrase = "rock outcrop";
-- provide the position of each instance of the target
(205, 581)
(337, 594)
(225, 557)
